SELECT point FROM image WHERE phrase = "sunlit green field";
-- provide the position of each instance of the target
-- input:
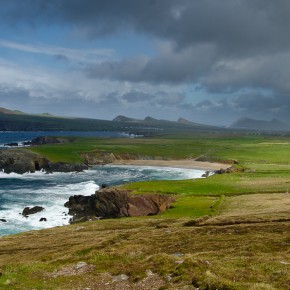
(246, 149)
(211, 256)
(264, 161)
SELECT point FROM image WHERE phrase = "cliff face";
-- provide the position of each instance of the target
(104, 157)
(115, 203)
(98, 157)
(21, 161)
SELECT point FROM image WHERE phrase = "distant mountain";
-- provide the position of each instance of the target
(262, 125)
(18, 121)
(150, 119)
(184, 121)
(121, 118)
(181, 122)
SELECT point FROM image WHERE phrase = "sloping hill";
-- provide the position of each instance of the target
(7, 111)
(122, 118)
(18, 121)
(184, 121)
(252, 124)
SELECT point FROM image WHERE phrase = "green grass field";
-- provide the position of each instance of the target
(264, 160)
(171, 245)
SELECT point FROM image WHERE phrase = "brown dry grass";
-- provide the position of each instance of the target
(254, 207)
(245, 256)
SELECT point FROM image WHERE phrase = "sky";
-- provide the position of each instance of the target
(207, 61)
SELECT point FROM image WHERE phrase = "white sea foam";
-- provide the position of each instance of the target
(52, 190)
(39, 174)
(171, 173)
(51, 198)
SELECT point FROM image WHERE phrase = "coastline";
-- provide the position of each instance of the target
(183, 163)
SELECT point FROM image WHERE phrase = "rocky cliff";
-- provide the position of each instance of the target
(41, 140)
(21, 161)
(116, 203)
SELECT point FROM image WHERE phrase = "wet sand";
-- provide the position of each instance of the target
(185, 163)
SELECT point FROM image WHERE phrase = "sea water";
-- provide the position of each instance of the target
(51, 191)
(19, 137)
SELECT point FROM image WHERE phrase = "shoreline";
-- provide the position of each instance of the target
(183, 163)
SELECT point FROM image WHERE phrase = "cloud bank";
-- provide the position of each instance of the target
(235, 54)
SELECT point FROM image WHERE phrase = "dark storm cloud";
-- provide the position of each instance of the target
(188, 65)
(223, 46)
(253, 102)
(235, 26)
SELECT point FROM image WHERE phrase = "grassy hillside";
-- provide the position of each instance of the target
(228, 231)
(14, 121)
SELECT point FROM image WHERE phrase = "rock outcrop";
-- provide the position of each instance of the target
(148, 204)
(32, 210)
(21, 161)
(41, 140)
(65, 167)
(98, 157)
(229, 170)
(115, 203)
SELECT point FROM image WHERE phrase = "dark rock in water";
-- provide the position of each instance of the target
(3, 220)
(32, 210)
(14, 144)
(206, 174)
(65, 167)
(43, 219)
(104, 185)
(27, 143)
(49, 140)
(115, 203)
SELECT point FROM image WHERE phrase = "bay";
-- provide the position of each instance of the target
(22, 136)
(52, 190)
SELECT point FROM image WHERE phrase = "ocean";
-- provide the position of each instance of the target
(51, 191)
(22, 136)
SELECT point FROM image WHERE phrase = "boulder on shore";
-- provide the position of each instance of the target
(116, 203)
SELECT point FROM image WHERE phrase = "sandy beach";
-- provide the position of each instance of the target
(185, 163)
